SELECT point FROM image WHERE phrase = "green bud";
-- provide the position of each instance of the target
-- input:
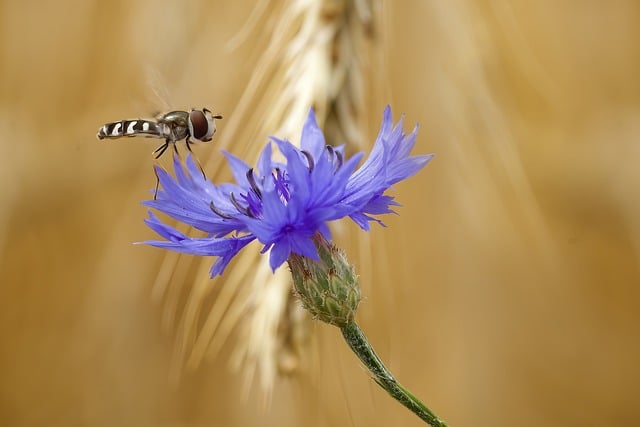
(327, 287)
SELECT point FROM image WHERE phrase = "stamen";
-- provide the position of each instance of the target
(240, 208)
(335, 154)
(309, 160)
(330, 150)
(218, 211)
(281, 183)
(252, 182)
(340, 159)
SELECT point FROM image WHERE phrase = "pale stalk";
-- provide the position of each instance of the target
(316, 56)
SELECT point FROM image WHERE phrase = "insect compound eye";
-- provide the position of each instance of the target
(201, 125)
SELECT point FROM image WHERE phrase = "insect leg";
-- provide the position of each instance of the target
(188, 143)
(160, 150)
(155, 193)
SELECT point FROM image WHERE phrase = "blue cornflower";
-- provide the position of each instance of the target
(283, 204)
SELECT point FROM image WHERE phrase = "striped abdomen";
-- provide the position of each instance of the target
(132, 128)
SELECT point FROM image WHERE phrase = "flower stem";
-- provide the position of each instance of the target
(361, 347)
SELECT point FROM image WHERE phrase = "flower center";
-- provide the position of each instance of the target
(250, 203)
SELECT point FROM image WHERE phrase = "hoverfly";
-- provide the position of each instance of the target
(173, 126)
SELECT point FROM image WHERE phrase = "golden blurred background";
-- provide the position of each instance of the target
(505, 293)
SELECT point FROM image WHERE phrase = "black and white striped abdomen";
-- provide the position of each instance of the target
(134, 127)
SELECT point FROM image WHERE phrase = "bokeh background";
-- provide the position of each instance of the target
(506, 291)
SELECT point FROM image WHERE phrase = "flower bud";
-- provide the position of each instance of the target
(328, 287)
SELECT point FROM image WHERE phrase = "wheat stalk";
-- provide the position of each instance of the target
(316, 57)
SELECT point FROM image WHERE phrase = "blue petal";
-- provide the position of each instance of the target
(312, 139)
(238, 168)
(279, 254)
(305, 247)
(165, 231)
(264, 162)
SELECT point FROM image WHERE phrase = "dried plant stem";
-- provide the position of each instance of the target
(316, 56)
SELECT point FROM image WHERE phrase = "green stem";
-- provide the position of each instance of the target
(361, 347)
